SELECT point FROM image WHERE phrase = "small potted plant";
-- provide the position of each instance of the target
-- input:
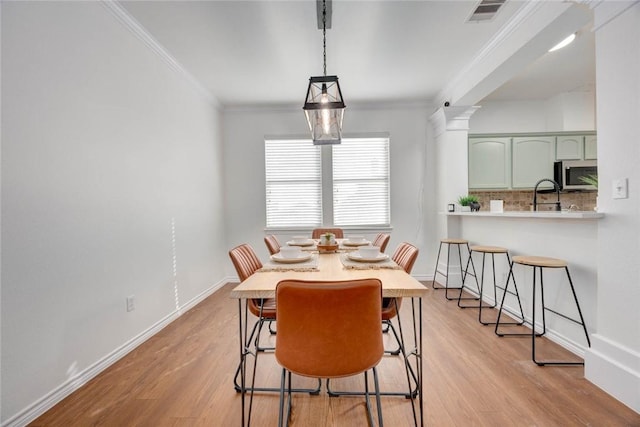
(327, 243)
(328, 238)
(469, 203)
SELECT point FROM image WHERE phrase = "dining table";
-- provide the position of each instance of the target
(339, 265)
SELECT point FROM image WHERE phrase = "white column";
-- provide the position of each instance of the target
(450, 127)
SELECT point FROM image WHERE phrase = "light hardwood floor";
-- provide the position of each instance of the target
(183, 376)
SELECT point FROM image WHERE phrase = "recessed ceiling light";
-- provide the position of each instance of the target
(563, 43)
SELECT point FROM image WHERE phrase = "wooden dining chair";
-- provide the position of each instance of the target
(328, 330)
(316, 233)
(273, 245)
(381, 241)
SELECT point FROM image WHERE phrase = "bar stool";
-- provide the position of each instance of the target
(491, 250)
(446, 287)
(538, 263)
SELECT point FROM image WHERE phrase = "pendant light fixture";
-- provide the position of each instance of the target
(324, 106)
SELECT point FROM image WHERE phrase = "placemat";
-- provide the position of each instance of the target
(358, 265)
(310, 265)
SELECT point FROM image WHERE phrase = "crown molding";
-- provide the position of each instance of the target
(131, 24)
(606, 11)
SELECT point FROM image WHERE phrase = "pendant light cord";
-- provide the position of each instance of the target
(324, 35)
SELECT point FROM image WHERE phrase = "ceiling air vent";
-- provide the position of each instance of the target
(485, 10)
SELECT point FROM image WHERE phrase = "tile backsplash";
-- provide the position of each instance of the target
(522, 200)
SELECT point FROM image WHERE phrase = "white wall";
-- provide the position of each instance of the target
(411, 160)
(110, 172)
(573, 111)
(614, 360)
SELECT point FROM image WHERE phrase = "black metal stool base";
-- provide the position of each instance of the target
(446, 286)
(492, 251)
(533, 334)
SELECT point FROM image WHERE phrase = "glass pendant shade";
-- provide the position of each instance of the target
(324, 108)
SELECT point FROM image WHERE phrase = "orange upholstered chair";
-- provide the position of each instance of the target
(316, 233)
(246, 262)
(381, 241)
(405, 256)
(272, 244)
(328, 330)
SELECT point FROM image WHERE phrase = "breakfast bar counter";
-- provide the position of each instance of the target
(536, 215)
(568, 235)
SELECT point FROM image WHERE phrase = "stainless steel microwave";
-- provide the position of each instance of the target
(568, 173)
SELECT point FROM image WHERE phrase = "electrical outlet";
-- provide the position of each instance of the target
(619, 189)
(131, 303)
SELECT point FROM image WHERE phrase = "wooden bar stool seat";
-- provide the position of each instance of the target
(458, 243)
(539, 263)
(490, 250)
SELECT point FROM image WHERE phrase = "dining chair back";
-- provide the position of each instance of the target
(273, 245)
(316, 233)
(405, 256)
(381, 241)
(246, 262)
(329, 330)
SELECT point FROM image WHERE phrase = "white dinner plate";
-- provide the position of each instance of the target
(309, 242)
(349, 243)
(356, 256)
(302, 257)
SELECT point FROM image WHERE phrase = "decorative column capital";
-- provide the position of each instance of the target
(452, 118)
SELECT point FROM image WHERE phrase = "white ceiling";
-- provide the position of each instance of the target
(263, 52)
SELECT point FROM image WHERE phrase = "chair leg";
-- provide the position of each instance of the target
(378, 404)
(544, 308)
(462, 276)
(475, 276)
(575, 298)
(281, 407)
(389, 326)
(495, 291)
(435, 271)
(504, 295)
(366, 397)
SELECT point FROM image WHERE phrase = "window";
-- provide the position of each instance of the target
(293, 183)
(354, 189)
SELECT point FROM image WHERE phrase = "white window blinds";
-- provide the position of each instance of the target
(361, 182)
(293, 183)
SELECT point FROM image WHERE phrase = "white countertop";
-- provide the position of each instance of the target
(530, 214)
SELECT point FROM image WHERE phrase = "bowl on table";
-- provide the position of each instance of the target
(290, 251)
(355, 239)
(369, 252)
(299, 239)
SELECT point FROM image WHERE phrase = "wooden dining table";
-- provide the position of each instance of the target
(396, 283)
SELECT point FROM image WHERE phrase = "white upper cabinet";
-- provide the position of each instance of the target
(569, 147)
(590, 147)
(505, 161)
(533, 159)
(489, 162)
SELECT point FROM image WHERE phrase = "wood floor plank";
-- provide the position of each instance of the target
(183, 377)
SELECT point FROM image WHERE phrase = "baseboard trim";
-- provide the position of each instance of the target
(613, 368)
(39, 407)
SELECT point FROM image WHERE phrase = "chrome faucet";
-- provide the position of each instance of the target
(535, 194)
